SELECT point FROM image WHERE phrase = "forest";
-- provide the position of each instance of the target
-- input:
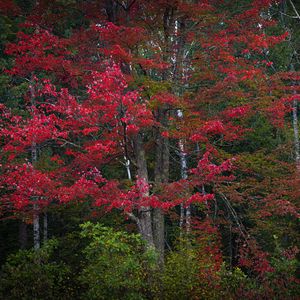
(149, 149)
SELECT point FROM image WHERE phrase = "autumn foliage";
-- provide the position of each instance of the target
(171, 115)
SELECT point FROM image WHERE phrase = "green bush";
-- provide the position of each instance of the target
(116, 264)
(180, 274)
(31, 274)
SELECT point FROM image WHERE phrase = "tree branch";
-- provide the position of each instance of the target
(295, 10)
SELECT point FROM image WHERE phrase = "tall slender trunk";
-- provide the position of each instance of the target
(144, 213)
(178, 75)
(185, 214)
(296, 127)
(161, 175)
(283, 9)
(183, 173)
(296, 134)
(36, 219)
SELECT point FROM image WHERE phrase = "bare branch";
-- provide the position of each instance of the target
(295, 10)
(68, 142)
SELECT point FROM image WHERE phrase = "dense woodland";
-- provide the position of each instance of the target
(149, 149)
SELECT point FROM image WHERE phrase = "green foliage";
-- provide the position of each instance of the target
(12, 93)
(234, 282)
(45, 163)
(116, 263)
(262, 164)
(180, 274)
(189, 272)
(30, 274)
(8, 29)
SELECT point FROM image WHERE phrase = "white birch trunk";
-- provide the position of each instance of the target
(295, 103)
(184, 213)
(127, 166)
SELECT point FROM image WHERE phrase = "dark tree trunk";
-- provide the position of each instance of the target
(111, 8)
(161, 175)
(45, 227)
(23, 235)
(144, 214)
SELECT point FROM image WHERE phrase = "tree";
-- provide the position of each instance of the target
(139, 83)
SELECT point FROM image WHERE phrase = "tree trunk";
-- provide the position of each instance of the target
(23, 235)
(177, 76)
(144, 214)
(159, 233)
(296, 127)
(45, 227)
(111, 9)
(36, 227)
(36, 219)
(161, 175)
(283, 9)
(296, 134)
(185, 214)
(127, 166)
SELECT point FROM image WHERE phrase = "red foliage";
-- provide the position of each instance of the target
(8, 7)
(94, 109)
(25, 186)
(38, 51)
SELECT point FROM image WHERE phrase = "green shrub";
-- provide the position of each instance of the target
(31, 274)
(117, 264)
